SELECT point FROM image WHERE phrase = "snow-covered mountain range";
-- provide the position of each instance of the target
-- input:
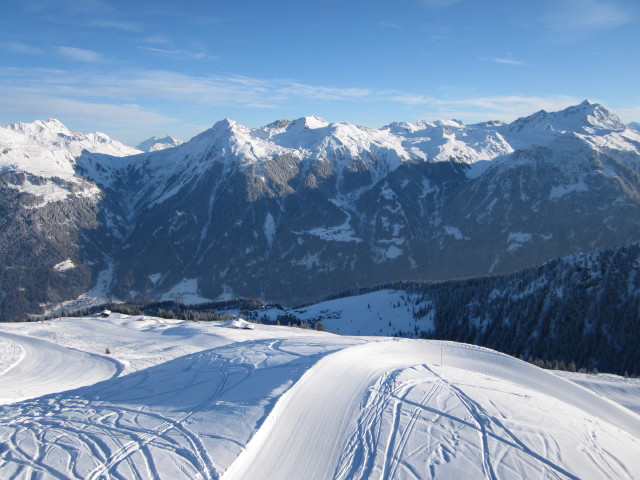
(297, 210)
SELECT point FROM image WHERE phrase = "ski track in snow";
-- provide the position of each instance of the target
(282, 403)
(176, 420)
(307, 433)
(44, 367)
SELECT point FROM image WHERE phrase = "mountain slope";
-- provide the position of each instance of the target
(307, 207)
(582, 309)
(297, 210)
(51, 218)
(158, 143)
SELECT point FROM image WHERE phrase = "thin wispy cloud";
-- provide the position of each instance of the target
(409, 99)
(18, 47)
(509, 61)
(66, 5)
(576, 19)
(137, 85)
(131, 115)
(505, 108)
(116, 25)
(134, 87)
(180, 54)
(504, 61)
(157, 39)
(439, 3)
(80, 54)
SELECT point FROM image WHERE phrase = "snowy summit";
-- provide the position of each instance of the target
(158, 143)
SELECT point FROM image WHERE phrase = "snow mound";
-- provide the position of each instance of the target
(238, 323)
(154, 144)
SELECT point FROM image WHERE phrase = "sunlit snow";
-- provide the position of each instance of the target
(176, 399)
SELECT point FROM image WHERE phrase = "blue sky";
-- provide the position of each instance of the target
(136, 69)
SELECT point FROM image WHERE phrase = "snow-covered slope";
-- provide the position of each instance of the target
(296, 210)
(276, 402)
(49, 149)
(158, 143)
(554, 312)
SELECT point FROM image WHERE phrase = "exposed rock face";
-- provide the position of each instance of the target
(297, 210)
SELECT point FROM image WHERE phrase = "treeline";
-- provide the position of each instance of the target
(577, 313)
(583, 309)
(210, 311)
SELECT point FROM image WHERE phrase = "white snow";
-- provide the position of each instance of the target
(380, 313)
(155, 278)
(49, 191)
(516, 240)
(308, 261)
(154, 144)
(338, 233)
(448, 420)
(238, 323)
(10, 354)
(64, 265)
(269, 229)
(185, 291)
(177, 399)
(455, 232)
(49, 149)
(560, 191)
(45, 368)
(624, 391)
(393, 252)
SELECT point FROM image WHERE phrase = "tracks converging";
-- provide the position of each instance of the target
(122, 433)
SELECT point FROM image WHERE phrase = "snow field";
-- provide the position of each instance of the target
(387, 410)
(46, 368)
(10, 354)
(178, 399)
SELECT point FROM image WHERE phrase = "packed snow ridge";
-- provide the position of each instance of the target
(143, 397)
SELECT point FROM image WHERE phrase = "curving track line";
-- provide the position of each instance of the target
(49, 368)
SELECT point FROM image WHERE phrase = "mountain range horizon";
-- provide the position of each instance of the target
(168, 140)
(300, 209)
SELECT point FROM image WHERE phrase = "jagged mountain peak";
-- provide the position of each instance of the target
(275, 209)
(52, 124)
(43, 129)
(48, 148)
(311, 137)
(224, 128)
(585, 118)
(311, 122)
(278, 124)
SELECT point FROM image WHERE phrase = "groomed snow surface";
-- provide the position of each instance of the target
(174, 399)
